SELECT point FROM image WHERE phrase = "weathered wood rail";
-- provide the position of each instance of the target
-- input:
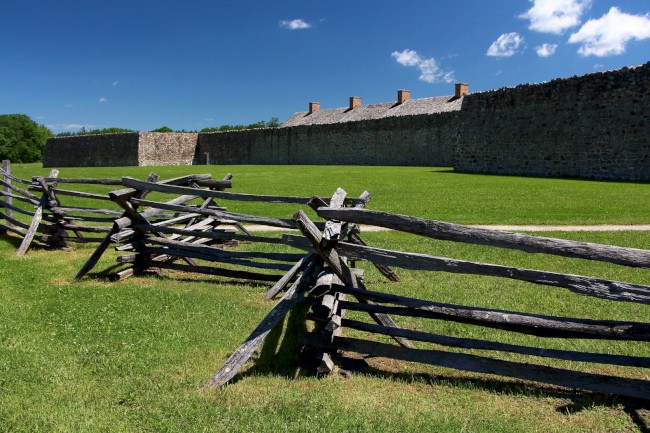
(50, 223)
(345, 291)
(199, 234)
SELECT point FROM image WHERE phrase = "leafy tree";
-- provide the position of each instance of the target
(21, 139)
(273, 123)
(84, 131)
(163, 129)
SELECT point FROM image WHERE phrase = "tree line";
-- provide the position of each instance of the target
(22, 140)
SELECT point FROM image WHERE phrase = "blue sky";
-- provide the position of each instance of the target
(191, 64)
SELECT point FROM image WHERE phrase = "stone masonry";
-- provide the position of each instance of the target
(593, 126)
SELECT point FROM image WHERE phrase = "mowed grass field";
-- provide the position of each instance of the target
(136, 355)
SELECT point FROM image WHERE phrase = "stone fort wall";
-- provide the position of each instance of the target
(406, 140)
(595, 126)
(592, 126)
(114, 150)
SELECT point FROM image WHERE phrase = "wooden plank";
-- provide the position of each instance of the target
(532, 324)
(42, 228)
(184, 254)
(172, 189)
(9, 208)
(217, 235)
(229, 273)
(597, 287)
(478, 236)
(96, 255)
(151, 211)
(290, 298)
(89, 229)
(33, 227)
(386, 271)
(19, 198)
(84, 210)
(7, 202)
(74, 239)
(24, 193)
(71, 218)
(470, 343)
(634, 388)
(290, 275)
(273, 222)
(13, 230)
(184, 180)
(71, 193)
(5, 172)
(106, 242)
(221, 253)
(332, 232)
(338, 266)
(81, 180)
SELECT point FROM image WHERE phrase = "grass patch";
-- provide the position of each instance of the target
(134, 356)
(427, 192)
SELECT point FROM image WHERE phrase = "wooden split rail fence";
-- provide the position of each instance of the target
(51, 223)
(200, 234)
(194, 228)
(331, 293)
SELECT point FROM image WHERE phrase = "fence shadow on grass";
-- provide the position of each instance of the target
(637, 410)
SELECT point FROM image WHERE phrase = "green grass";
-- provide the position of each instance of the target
(135, 355)
(427, 192)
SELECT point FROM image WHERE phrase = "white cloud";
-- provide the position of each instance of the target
(115, 83)
(430, 72)
(609, 35)
(67, 105)
(506, 45)
(546, 50)
(102, 100)
(555, 16)
(407, 57)
(297, 24)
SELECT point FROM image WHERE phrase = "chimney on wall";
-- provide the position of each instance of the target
(461, 89)
(355, 101)
(314, 107)
(403, 96)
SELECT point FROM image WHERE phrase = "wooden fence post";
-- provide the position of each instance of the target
(6, 166)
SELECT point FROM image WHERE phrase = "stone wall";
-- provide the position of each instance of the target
(166, 148)
(594, 126)
(407, 140)
(105, 150)
(110, 150)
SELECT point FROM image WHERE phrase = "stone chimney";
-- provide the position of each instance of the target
(461, 89)
(355, 101)
(314, 107)
(403, 96)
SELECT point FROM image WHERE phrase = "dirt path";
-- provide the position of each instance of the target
(512, 228)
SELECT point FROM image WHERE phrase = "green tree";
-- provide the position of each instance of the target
(21, 139)
(84, 131)
(273, 123)
(163, 129)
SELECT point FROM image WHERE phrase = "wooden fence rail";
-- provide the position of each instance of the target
(347, 292)
(50, 223)
(202, 244)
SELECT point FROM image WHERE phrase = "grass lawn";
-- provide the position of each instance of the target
(135, 355)
(427, 192)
